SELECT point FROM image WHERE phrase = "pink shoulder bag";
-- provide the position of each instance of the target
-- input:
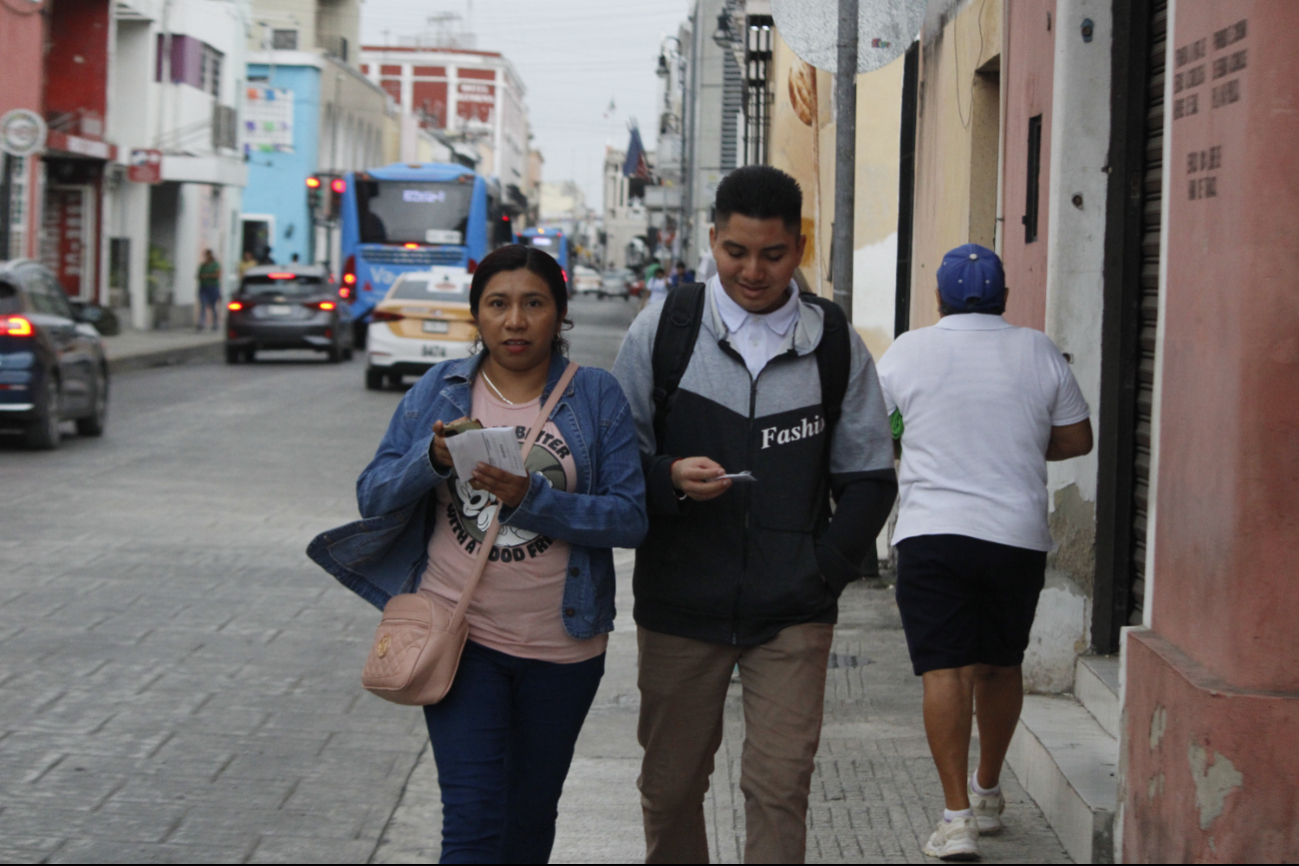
(417, 648)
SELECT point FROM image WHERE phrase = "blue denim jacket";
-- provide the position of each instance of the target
(385, 553)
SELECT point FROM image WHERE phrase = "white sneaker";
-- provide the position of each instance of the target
(954, 840)
(987, 810)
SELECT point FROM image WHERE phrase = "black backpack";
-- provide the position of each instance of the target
(678, 330)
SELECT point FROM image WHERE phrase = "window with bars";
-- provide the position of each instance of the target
(758, 36)
(1034, 177)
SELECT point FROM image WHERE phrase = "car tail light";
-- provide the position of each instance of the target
(234, 306)
(411, 246)
(326, 305)
(349, 274)
(473, 265)
(344, 292)
(387, 316)
(15, 326)
(283, 276)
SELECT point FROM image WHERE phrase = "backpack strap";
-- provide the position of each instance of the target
(833, 357)
(674, 343)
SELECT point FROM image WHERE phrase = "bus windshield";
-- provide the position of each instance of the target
(549, 243)
(399, 211)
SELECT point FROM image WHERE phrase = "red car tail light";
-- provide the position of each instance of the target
(344, 292)
(387, 316)
(234, 306)
(349, 272)
(15, 326)
(326, 305)
(283, 276)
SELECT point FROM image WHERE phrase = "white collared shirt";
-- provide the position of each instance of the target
(978, 398)
(758, 337)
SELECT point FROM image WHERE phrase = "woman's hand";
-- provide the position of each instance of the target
(439, 452)
(509, 489)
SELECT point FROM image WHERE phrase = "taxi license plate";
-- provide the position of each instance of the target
(279, 309)
(433, 351)
(436, 326)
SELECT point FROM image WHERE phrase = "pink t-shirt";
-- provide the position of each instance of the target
(516, 608)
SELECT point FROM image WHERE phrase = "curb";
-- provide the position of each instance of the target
(166, 357)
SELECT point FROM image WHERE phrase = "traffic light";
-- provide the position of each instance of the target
(337, 187)
(313, 195)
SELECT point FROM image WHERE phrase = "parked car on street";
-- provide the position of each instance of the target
(586, 281)
(292, 306)
(52, 362)
(616, 283)
(422, 320)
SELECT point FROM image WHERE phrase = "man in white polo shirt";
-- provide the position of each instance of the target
(978, 407)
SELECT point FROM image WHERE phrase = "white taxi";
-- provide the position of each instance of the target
(422, 320)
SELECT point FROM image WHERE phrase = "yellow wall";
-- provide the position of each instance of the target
(945, 132)
(808, 155)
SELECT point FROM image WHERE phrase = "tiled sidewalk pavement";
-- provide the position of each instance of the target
(875, 794)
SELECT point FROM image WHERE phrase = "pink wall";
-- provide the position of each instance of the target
(1225, 603)
(77, 68)
(22, 85)
(1027, 68)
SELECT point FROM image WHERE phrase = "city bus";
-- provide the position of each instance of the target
(552, 241)
(414, 217)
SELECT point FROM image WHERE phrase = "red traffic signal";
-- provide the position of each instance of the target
(338, 185)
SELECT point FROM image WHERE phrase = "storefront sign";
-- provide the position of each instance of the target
(22, 132)
(146, 166)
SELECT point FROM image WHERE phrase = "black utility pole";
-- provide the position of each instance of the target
(6, 195)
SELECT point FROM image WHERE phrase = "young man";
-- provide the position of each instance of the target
(744, 375)
(979, 407)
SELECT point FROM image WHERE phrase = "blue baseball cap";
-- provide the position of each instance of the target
(971, 279)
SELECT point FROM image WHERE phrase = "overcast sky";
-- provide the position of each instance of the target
(574, 56)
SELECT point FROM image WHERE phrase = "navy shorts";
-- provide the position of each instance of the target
(965, 601)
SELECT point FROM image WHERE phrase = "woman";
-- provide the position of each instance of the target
(209, 289)
(504, 735)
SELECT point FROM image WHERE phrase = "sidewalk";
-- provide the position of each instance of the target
(138, 350)
(875, 794)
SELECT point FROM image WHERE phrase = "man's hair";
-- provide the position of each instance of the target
(760, 192)
(945, 309)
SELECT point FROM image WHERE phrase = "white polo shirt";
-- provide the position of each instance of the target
(757, 337)
(978, 398)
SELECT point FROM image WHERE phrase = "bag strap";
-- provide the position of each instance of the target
(833, 358)
(489, 540)
(674, 343)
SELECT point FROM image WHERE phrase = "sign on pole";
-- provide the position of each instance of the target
(145, 166)
(885, 29)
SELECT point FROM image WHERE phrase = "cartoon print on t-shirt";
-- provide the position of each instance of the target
(470, 511)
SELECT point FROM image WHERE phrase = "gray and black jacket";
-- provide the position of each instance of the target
(765, 555)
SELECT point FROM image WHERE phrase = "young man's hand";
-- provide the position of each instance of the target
(698, 478)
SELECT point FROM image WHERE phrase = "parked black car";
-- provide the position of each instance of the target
(288, 307)
(52, 363)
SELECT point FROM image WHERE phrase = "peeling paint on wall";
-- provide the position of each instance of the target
(1073, 527)
(1158, 724)
(1215, 777)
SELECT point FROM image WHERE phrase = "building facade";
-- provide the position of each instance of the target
(474, 97)
(311, 112)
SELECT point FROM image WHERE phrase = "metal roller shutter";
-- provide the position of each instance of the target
(1151, 222)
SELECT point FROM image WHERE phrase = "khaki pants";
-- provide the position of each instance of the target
(683, 687)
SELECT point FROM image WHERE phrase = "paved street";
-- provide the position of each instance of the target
(179, 683)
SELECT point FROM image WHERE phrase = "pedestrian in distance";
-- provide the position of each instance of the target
(656, 285)
(754, 406)
(503, 737)
(247, 263)
(978, 406)
(209, 290)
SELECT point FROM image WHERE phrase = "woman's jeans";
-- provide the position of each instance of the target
(503, 739)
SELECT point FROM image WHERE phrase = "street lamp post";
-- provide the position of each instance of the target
(845, 167)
